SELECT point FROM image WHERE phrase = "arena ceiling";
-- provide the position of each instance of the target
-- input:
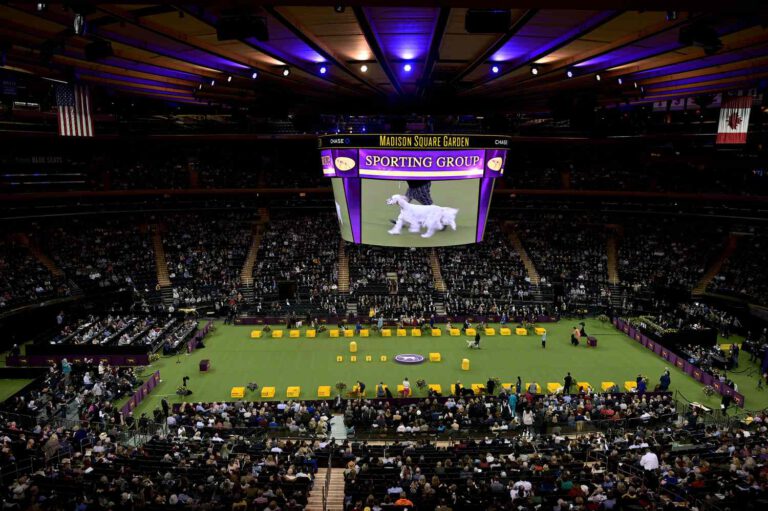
(384, 52)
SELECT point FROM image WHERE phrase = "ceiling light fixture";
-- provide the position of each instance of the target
(407, 68)
(635, 84)
(569, 73)
(598, 77)
(495, 69)
(286, 71)
(620, 80)
(323, 69)
(255, 75)
(229, 79)
(534, 70)
(364, 68)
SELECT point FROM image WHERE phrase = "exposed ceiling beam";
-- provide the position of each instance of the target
(310, 79)
(434, 49)
(373, 44)
(709, 71)
(483, 57)
(571, 36)
(319, 46)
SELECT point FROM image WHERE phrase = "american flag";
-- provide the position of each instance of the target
(74, 102)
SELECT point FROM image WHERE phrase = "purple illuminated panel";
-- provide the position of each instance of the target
(345, 162)
(352, 192)
(421, 165)
(326, 159)
(495, 160)
(486, 191)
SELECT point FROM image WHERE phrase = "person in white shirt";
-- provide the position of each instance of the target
(649, 461)
(406, 388)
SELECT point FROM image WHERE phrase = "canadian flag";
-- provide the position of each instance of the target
(734, 120)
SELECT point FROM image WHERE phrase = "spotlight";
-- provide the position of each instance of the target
(255, 75)
(407, 68)
(620, 80)
(229, 79)
(634, 84)
(598, 77)
(41, 6)
(339, 8)
(569, 73)
(323, 69)
(200, 86)
(364, 68)
(534, 70)
(79, 24)
(213, 82)
(495, 69)
(286, 71)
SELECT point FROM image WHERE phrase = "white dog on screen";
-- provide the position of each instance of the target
(418, 217)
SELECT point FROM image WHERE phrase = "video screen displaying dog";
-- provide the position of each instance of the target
(419, 213)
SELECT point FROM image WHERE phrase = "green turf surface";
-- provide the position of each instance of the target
(10, 387)
(237, 360)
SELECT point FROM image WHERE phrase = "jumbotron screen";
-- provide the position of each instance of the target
(413, 190)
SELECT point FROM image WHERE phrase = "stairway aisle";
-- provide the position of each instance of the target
(161, 266)
(437, 275)
(343, 283)
(715, 266)
(246, 273)
(530, 267)
(335, 491)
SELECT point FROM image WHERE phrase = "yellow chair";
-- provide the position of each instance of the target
(255, 334)
(583, 384)
(293, 334)
(553, 387)
(536, 390)
(400, 389)
(402, 332)
(339, 358)
(416, 332)
(277, 334)
(539, 331)
(383, 358)
(293, 392)
(356, 391)
(508, 386)
(490, 331)
(386, 332)
(237, 392)
(521, 331)
(436, 387)
(353, 358)
(505, 331)
(368, 358)
(311, 334)
(435, 357)
(629, 386)
(471, 331)
(349, 332)
(605, 385)
(365, 333)
(455, 332)
(324, 391)
(334, 332)
(465, 364)
(353, 347)
(436, 332)
(478, 388)
(268, 392)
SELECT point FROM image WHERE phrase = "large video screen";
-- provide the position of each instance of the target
(413, 190)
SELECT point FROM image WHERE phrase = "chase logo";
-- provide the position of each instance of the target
(338, 141)
(409, 358)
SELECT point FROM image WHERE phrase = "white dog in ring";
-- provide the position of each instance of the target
(418, 217)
